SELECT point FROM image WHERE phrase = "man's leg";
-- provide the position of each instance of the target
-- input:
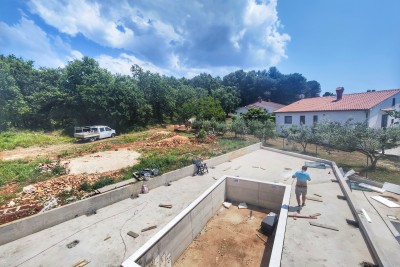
(304, 196)
(297, 191)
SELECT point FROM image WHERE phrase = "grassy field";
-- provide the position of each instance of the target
(388, 168)
(12, 140)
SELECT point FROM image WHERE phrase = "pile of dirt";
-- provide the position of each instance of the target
(50, 167)
(174, 141)
(160, 135)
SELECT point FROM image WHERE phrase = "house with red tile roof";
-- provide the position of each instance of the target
(268, 106)
(370, 106)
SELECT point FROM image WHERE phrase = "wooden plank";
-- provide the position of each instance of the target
(314, 199)
(385, 201)
(324, 226)
(81, 263)
(149, 228)
(374, 188)
(132, 234)
(168, 206)
(318, 195)
(300, 216)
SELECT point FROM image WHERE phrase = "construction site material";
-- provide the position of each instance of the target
(352, 222)
(81, 263)
(349, 173)
(133, 234)
(334, 181)
(373, 188)
(227, 204)
(317, 165)
(242, 205)
(301, 216)
(268, 223)
(386, 202)
(73, 244)
(318, 195)
(324, 226)
(366, 215)
(394, 188)
(265, 241)
(149, 228)
(314, 198)
(316, 214)
(168, 206)
(341, 197)
(393, 217)
(355, 186)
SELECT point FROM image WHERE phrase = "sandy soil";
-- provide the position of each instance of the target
(32, 152)
(103, 162)
(229, 239)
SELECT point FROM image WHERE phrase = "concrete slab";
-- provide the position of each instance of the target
(304, 245)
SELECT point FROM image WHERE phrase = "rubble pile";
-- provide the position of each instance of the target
(49, 167)
(160, 135)
(172, 141)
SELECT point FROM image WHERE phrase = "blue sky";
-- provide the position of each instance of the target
(354, 44)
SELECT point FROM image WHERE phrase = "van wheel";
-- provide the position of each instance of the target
(113, 135)
(92, 139)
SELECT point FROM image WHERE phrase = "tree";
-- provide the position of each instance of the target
(228, 97)
(300, 134)
(313, 89)
(352, 136)
(209, 108)
(328, 94)
(266, 131)
(256, 114)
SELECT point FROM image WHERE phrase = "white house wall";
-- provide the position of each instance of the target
(375, 116)
(338, 116)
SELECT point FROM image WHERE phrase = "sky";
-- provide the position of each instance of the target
(354, 44)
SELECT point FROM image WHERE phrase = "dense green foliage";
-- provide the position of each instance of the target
(82, 93)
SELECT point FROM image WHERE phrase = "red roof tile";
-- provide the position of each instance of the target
(358, 101)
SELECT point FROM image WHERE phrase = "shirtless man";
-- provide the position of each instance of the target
(301, 184)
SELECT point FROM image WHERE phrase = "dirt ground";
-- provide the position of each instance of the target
(229, 239)
(82, 166)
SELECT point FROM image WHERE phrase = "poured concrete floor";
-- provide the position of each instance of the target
(103, 239)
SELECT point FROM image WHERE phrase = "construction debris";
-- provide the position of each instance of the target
(373, 188)
(242, 205)
(355, 186)
(81, 263)
(227, 204)
(300, 216)
(385, 202)
(352, 222)
(317, 165)
(149, 228)
(73, 244)
(48, 205)
(394, 188)
(314, 198)
(28, 189)
(168, 206)
(341, 197)
(318, 195)
(334, 181)
(133, 234)
(366, 215)
(324, 226)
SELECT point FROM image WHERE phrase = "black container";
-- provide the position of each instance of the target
(268, 224)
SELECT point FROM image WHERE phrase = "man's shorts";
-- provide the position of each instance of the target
(301, 190)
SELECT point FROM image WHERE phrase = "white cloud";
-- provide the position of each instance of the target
(179, 37)
(27, 40)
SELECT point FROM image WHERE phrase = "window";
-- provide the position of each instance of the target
(315, 118)
(302, 120)
(101, 129)
(393, 102)
(108, 129)
(288, 119)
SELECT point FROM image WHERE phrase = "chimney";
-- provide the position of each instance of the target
(339, 93)
(259, 99)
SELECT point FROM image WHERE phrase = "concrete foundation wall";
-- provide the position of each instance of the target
(168, 244)
(23, 227)
(261, 194)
